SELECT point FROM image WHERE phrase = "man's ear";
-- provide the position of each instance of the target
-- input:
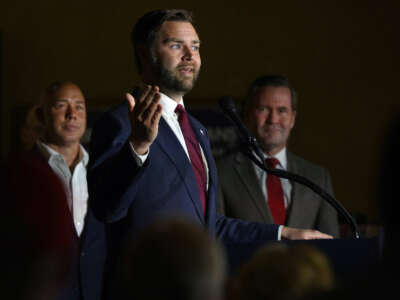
(144, 54)
(294, 118)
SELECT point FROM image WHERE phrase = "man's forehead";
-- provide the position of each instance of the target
(66, 92)
(70, 99)
(178, 30)
(273, 93)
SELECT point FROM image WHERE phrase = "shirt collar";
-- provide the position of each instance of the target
(281, 156)
(49, 153)
(169, 105)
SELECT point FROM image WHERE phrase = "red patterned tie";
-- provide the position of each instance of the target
(193, 148)
(275, 194)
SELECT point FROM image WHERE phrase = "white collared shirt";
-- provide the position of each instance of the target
(168, 114)
(262, 177)
(75, 184)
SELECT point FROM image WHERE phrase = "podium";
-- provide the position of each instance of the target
(350, 258)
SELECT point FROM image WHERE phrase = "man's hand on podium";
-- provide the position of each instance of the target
(289, 233)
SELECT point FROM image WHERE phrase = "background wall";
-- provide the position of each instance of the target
(340, 56)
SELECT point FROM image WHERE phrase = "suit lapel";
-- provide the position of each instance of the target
(170, 145)
(298, 194)
(245, 170)
(203, 140)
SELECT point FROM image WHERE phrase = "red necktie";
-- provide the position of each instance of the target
(193, 148)
(275, 194)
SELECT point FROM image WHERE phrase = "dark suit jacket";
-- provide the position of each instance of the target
(241, 195)
(133, 196)
(93, 248)
(89, 251)
(87, 276)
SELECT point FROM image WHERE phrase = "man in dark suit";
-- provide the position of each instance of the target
(149, 157)
(245, 190)
(62, 115)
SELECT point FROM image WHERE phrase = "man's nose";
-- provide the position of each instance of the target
(71, 112)
(273, 117)
(188, 53)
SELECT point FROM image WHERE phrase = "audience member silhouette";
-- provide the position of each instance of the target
(281, 272)
(174, 259)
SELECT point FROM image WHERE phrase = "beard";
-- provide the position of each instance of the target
(171, 80)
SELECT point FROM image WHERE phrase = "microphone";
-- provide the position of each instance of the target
(228, 107)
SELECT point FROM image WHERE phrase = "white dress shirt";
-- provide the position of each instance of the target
(75, 184)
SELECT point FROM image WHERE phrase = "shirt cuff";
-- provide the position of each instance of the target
(279, 232)
(140, 159)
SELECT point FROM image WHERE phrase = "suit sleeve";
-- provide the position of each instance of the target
(234, 231)
(327, 221)
(114, 173)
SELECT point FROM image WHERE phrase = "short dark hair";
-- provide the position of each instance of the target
(178, 257)
(50, 91)
(147, 27)
(52, 88)
(270, 80)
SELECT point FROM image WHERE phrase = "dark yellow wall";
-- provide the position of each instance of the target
(340, 55)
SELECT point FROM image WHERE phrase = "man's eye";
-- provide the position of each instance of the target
(195, 48)
(59, 105)
(175, 46)
(282, 110)
(80, 107)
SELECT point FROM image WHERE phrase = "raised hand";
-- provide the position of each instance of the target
(144, 114)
